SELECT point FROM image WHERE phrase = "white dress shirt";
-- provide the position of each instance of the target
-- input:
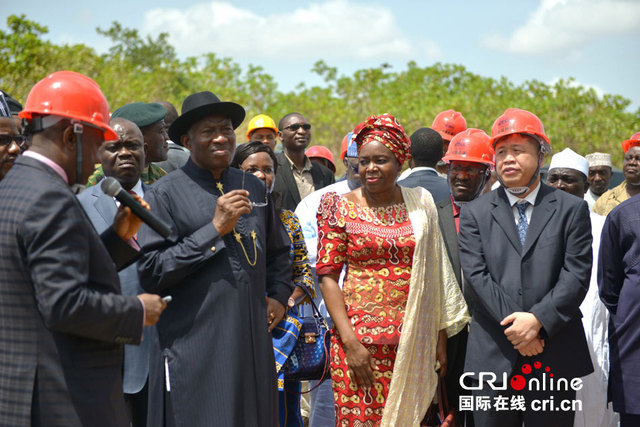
(531, 198)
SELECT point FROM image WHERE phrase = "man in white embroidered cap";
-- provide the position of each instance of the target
(600, 173)
(568, 172)
(525, 251)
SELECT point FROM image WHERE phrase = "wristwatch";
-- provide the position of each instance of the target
(291, 303)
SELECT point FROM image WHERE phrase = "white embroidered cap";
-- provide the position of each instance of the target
(569, 159)
(599, 159)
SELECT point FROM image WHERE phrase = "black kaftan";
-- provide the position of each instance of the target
(212, 347)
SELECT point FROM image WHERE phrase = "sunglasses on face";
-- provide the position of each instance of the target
(294, 127)
(6, 140)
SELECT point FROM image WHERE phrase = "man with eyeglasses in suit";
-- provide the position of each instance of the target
(297, 176)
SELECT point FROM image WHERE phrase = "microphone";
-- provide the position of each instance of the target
(111, 187)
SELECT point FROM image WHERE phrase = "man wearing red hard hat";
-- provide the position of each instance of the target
(63, 318)
(631, 184)
(470, 158)
(322, 155)
(525, 251)
(448, 124)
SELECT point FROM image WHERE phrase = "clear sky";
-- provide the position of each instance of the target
(597, 42)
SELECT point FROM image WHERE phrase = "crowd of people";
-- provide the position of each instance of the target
(472, 272)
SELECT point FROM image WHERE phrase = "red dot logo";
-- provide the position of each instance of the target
(526, 369)
(537, 365)
(547, 369)
(518, 382)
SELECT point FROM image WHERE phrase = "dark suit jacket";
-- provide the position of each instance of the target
(548, 277)
(101, 209)
(457, 344)
(429, 180)
(286, 185)
(450, 236)
(618, 280)
(62, 318)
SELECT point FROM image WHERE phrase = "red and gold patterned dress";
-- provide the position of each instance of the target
(376, 245)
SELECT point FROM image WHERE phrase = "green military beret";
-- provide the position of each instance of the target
(141, 114)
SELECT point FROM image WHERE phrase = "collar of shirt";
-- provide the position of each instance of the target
(456, 214)
(138, 189)
(531, 197)
(306, 167)
(423, 168)
(47, 161)
(619, 193)
(592, 195)
(456, 208)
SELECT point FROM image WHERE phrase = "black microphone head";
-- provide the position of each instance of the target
(110, 186)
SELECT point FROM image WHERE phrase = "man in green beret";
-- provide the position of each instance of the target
(149, 117)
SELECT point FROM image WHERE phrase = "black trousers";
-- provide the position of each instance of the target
(539, 408)
(137, 405)
(629, 420)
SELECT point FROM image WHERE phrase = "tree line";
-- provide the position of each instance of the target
(138, 68)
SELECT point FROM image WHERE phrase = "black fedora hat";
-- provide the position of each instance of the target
(200, 105)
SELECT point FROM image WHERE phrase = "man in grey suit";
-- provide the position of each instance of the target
(525, 251)
(426, 150)
(123, 159)
(297, 176)
(469, 158)
(62, 317)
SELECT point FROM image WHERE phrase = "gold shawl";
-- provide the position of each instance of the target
(434, 303)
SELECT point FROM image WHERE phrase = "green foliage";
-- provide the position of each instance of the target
(27, 57)
(147, 69)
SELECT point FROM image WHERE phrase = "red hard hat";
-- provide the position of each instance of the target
(344, 145)
(471, 145)
(448, 124)
(631, 142)
(72, 95)
(321, 152)
(515, 120)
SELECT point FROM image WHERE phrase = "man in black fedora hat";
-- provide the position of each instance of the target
(226, 266)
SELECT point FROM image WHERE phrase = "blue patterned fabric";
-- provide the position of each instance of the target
(523, 224)
(285, 336)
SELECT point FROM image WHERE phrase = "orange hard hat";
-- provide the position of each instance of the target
(471, 145)
(448, 124)
(71, 95)
(631, 142)
(322, 152)
(515, 120)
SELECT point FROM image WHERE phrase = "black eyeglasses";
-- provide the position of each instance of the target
(19, 139)
(294, 127)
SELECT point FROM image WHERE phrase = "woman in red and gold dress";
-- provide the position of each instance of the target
(399, 300)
